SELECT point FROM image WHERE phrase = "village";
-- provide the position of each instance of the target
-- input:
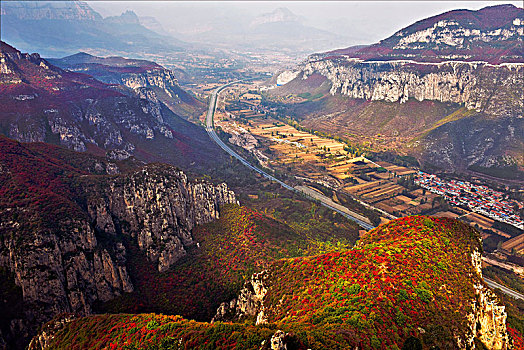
(331, 165)
(477, 198)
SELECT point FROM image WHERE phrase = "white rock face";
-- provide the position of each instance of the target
(398, 81)
(277, 341)
(487, 320)
(286, 76)
(249, 303)
(451, 33)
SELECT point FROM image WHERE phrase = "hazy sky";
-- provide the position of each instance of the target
(364, 21)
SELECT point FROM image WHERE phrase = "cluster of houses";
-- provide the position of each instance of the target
(477, 198)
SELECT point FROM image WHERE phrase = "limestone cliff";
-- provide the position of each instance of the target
(476, 85)
(159, 207)
(249, 304)
(65, 249)
(487, 319)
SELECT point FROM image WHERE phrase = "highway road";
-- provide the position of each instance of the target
(504, 289)
(325, 201)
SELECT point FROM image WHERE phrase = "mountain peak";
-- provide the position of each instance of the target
(6, 48)
(81, 54)
(127, 17)
(491, 34)
(280, 14)
(283, 10)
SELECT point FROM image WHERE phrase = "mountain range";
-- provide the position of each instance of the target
(58, 28)
(131, 115)
(492, 34)
(136, 75)
(447, 90)
(105, 243)
(277, 31)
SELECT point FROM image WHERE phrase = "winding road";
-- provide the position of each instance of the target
(504, 289)
(325, 201)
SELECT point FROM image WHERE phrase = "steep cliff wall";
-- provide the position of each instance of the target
(452, 115)
(357, 290)
(159, 207)
(494, 89)
(63, 229)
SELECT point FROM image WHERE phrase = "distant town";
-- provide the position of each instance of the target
(477, 198)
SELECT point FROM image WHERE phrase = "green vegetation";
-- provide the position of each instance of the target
(384, 288)
(229, 251)
(133, 332)
(511, 172)
(376, 295)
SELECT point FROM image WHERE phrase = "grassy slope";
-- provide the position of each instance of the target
(413, 272)
(230, 250)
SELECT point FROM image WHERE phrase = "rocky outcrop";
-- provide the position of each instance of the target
(47, 333)
(159, 207)
(277, 341)
(247, 141)
(487, 320)
(249, 304)
(66, 263)
(476, 85)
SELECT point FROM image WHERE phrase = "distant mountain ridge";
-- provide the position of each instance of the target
(281, 14)
(58, 28)
(137, 75)
(447, 90)
(280, 30)
(493, 34)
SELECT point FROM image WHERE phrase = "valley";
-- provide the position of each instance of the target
(335, 163)
(210, 182)
(391, 190)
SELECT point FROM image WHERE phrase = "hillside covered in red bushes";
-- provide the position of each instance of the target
(411, 281)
